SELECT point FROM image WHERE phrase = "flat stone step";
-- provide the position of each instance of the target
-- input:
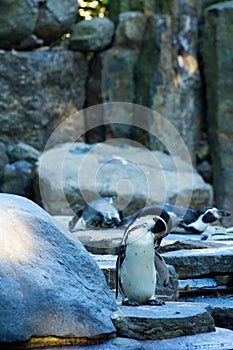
(107, 241)
(174, 319)
(201, 262)
(221, 339)
(221, 309)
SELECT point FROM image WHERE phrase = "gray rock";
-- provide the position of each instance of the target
(201, 262)
(50, 285)
(3, 158)
(221, 308)
(21, 20)
(117, 80)
(55, 18)
(217, 53)
(220, 339)
(93, 35)
(167, 68)
(17, 178)
(130, 30)
(17, 20)
(40, 90)
(168, 321)
(22, 151)
(101, 169)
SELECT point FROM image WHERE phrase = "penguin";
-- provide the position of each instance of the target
(99, 213)
(196, 221)
(135, 266)
(192, 221)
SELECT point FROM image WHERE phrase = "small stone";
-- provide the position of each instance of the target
(22, 151)
(93, 35)
(17, 178)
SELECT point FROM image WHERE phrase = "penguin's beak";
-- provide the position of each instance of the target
(158, 238)
(223, 213)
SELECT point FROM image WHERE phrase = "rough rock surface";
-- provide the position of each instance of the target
(201, 262)
(18, 20)
(55, 18)
(3, 158)
(217, 52)
(41, 91)
(17, 178)
(93, 35)
(49, 284)
(22, 151)
(21, 20)
(221, 309)
(221, 339)
(138, 176)
(168, 321)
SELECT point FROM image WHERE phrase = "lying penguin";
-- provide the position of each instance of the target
(136, 272)
(98, 213)
(191, 220)
(196, 221)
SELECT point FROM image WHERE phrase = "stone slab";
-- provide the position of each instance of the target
(221, 339)
(201, 262)
(107, 241)
(221, 308)
(168, 321)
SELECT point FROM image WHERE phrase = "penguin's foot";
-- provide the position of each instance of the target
(131, 303)
(155, 302)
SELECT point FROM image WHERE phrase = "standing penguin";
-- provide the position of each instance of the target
(136, 273)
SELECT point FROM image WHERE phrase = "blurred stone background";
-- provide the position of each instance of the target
(172, 56)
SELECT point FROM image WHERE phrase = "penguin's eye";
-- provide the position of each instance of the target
(209, 217)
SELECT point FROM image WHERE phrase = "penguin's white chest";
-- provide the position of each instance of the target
(138, 275)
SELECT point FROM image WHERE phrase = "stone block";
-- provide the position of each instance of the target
(168, 321)
(93, 35)
(221, 339)
(221, 309)
(40, 89)
(201, 262)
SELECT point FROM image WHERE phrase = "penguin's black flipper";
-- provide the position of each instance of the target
(75, 219)
(162, 269)
(119, 262)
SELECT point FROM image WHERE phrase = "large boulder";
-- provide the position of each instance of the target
(50, 287)
(83, 172)
(38, 91)
(217, 52)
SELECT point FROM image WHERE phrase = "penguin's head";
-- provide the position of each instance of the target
(160, 228)
(211, 214)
